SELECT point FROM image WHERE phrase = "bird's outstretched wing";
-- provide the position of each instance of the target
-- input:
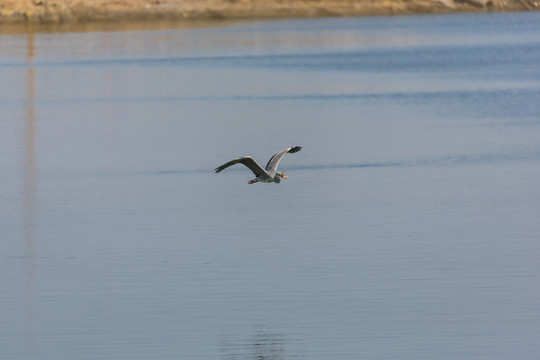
(248, 161)
(274, 160)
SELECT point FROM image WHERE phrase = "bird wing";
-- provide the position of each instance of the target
(274, 160)
(248, 161)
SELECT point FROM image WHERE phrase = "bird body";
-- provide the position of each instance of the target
(267, 175)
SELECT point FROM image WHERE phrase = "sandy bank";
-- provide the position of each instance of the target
(68, 11)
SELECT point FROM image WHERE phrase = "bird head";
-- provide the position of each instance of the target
(278, 176)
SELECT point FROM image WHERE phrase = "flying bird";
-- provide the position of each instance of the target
(267, 175)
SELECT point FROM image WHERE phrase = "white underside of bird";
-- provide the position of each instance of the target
(266, 175)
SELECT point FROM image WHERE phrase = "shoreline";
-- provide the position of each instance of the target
(88, 11)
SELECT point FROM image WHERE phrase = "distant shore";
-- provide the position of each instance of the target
(76, 11)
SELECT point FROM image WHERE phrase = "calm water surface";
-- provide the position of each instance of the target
(408, 228)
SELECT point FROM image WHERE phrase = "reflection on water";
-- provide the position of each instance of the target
(114, 26)
(29, 197)
(265, 344)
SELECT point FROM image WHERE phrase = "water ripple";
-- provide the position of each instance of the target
(451, 160)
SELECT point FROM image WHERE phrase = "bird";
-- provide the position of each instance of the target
(268, 175)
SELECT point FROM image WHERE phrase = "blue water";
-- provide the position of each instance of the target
(408, 227)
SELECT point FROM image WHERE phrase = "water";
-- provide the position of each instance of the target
(408, 227)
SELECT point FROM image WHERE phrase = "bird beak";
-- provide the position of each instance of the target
(283, 175)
